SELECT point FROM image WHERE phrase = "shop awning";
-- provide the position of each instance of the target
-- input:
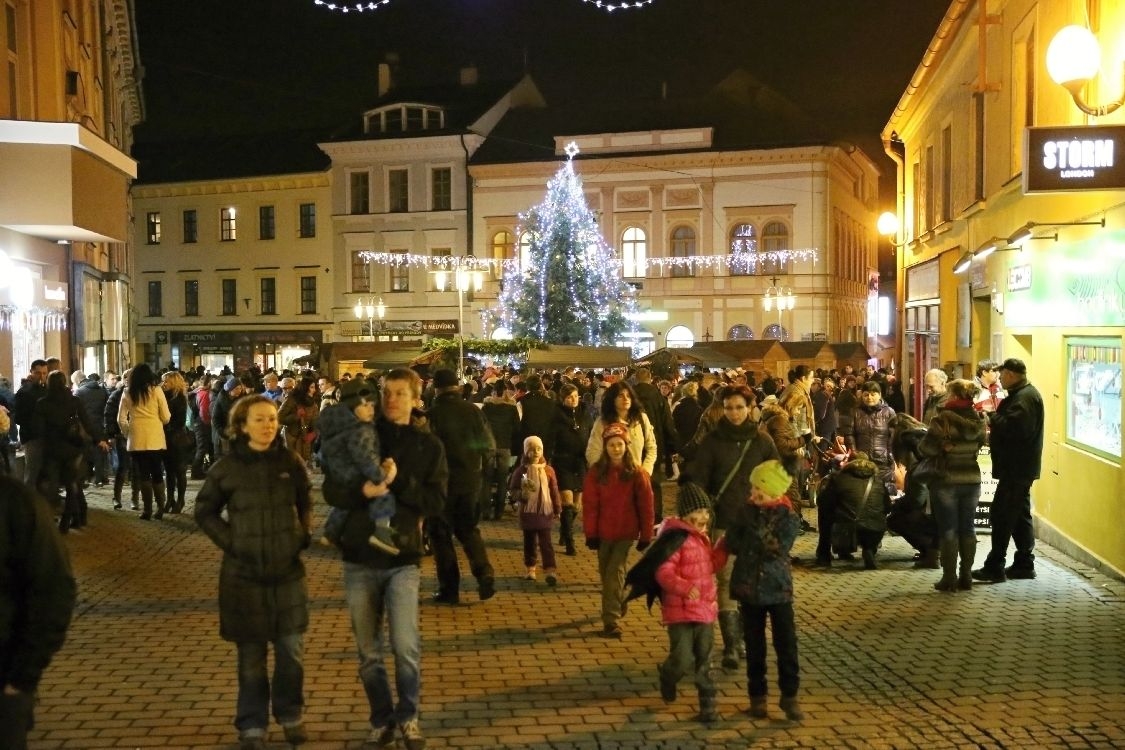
(561, 356)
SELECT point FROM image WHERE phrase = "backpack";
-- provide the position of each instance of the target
(641, 578)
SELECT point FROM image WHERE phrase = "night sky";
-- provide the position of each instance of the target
(237, 66)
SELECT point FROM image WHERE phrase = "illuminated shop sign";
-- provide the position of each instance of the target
(1074, 158)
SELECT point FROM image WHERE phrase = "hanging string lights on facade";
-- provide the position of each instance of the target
(606, 5)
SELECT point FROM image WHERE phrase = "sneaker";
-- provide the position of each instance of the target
(530, 575)
(412, 735)
(380, 739)
(295, 734)
(1019, 573)
(989, 575)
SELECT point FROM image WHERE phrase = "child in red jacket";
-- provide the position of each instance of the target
(689, 601)
(617, 496)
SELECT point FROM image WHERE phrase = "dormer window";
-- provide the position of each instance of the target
(403, 118)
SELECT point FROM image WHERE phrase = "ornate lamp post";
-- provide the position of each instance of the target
(464, 280)
(370, 310)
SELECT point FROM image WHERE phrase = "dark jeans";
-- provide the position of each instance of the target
(540, 538)
(784, 628)
(460, 521)
(254, 684)
(204, 452)
(16, 718)
(494, 487)
(689, 652)
(1010, 516)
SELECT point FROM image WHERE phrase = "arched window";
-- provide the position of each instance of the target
(775, 331)
(679, 337)
(503, 248)
(634, 252)
(740, 332)
(775, 237)
(525, 251)
(683, 246)
(743, 245)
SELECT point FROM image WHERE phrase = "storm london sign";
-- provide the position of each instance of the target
(1074, 158)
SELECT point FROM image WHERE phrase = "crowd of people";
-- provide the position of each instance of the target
(410, 466)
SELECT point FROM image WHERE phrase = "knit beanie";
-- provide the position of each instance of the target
(692, 498)
(531, 440)
(616, 429)
(354, 391)
(771, 478)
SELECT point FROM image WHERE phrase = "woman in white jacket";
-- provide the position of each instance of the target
(141, 417)
(620, 404)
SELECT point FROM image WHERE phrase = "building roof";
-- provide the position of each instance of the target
(744, 113)
(231, 157)
(804, 349)
(561, 355)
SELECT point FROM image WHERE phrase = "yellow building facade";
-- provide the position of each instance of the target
(69, 98)
(1012, 239)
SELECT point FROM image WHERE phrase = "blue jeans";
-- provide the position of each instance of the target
(254, 683)
(955, 506)
(375, 595)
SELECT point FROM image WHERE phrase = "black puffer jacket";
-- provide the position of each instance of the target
(262, 592)
(503, 419)
(37, 589)
(1017, 434)
(51, 418)
(571, 433)
(848, 492)
(717, 455)
(870, 432)
(953, 439)
(93, 397)
(419, 489)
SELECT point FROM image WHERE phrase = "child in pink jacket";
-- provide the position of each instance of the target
(689, 601)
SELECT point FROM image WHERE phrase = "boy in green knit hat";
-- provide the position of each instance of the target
(762, 581)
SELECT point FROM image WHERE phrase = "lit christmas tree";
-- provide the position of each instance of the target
(570, 291)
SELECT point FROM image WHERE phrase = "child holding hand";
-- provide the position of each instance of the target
(534, 485)
(689, 600)
(761, 538)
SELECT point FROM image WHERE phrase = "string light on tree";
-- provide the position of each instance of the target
(349, 8)
(571, 290)
(606, 5)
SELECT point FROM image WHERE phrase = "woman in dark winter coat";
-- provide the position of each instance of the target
(686, 414)
(732, 449)
(854, 497)
(571, 435)
(177, 438)
(955, 435)
(57, 416)
(298, 416)
(264, 489)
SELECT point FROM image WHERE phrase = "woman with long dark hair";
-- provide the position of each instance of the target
(177, 437)
(58, 416)
(141, 417)
(620, 404)
(298, 416)
(572, 433)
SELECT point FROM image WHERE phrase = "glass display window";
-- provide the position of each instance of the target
(1093, 395)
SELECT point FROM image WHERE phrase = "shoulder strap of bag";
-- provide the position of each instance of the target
(737, 463)
(866, 491)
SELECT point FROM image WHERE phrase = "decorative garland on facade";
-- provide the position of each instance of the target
(606, 5)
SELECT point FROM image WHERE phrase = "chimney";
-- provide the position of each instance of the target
(387, 69)
(469, 76)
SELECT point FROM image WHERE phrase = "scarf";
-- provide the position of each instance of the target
(538, 490)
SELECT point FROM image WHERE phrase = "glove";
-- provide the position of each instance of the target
(593, 542)
(643, 544)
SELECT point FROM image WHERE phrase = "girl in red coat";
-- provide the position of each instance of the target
(534, 485)
(617, 496)
(689, 601)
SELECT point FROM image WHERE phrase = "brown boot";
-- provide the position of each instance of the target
(968, 549)
(948, 580)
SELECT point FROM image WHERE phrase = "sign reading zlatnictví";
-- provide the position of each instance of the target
(1074, 158)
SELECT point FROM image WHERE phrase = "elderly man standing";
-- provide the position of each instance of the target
(1016, 441)
(934, 383)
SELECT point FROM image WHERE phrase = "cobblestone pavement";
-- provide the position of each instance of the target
(886, 661)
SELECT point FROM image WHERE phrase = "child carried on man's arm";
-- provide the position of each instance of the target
(349, 451)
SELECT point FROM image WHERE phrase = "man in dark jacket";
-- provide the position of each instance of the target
(380, 587)
(503, 419)
(93, 397)
(37, 594)
(222, 400)
(33, 389)
(1016, 441)
(664, 429)
(462, 430)
(538, 416)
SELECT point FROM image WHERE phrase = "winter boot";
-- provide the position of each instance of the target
(566, 529)
(792, 708)
(758, 709)
(667, 686)
(146, 498)
(180, 491)
(928, 559)
(968, 546)
(117, 498)
(729, 628)
(135, 494)
(81, 512)
(161, 500)
(708, 706)
(948, 580)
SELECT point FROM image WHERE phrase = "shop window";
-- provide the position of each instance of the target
(1093, 395)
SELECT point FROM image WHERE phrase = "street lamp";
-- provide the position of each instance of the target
(1073, 59)
(780, 297)
(369, 310)
(464, 280)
